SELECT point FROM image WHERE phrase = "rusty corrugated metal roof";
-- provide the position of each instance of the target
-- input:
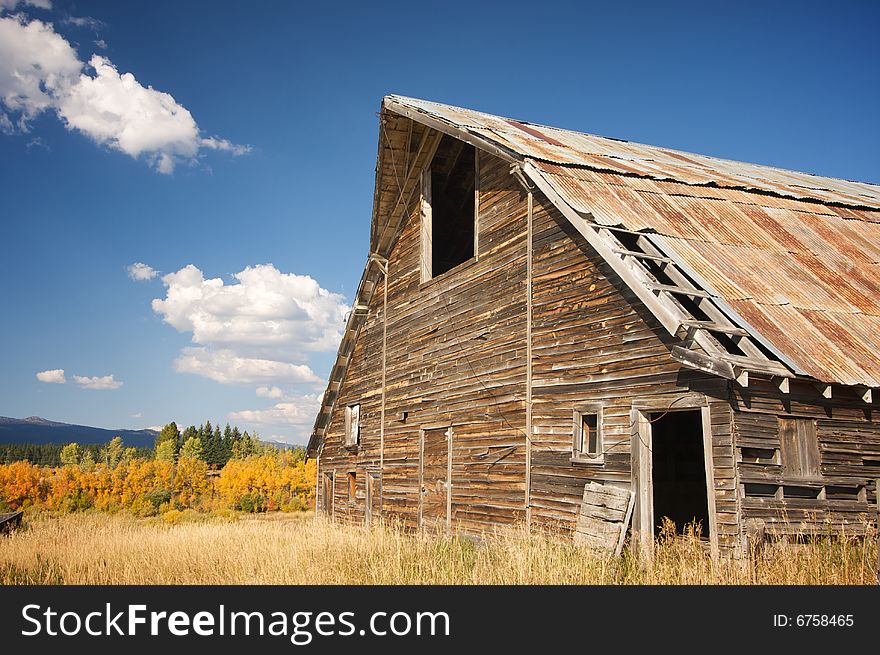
(570, 148)
(796, 255)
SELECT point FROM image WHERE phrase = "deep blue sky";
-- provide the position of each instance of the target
(793, 85)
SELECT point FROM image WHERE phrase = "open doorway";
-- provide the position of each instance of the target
(679, 470)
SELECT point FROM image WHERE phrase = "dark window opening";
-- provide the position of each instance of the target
(757, 490)
(793, 491)
(758, 455)
(453, 179)
(679, 471)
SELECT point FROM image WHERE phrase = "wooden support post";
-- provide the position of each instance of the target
(385, 269)
(528, 444)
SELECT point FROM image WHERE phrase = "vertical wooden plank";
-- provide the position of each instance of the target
(318, 491)
(476, 203)
(425, 255)
(449, 434)
(528, 444)
(386, 271)
(421, 487)
(642, 438)
(705, 413)
(368, 500)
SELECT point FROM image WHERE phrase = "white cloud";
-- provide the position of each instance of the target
(99, 383)
(270, 392)
(101, 43)
(260, 329)
(37, 65)
(53, 376)
(12, 4)
(137, 415)
(140, 271)
(84, 21)
(226, 367)
(40, 71)
(296, 411)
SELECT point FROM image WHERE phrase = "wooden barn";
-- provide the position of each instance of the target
(568, 330)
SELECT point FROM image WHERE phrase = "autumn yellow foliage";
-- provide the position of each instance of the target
(147, 487)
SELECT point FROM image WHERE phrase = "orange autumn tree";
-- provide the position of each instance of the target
(270, 480)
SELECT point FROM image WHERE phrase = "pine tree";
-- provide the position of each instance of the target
(169, 433)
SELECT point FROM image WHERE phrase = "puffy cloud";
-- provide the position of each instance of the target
(296, 411)
(37, 65)
(140, 271)
(269, 392)
(53, 376)
(39, 71)
(226, 367)
(97, 382)
(266, 316)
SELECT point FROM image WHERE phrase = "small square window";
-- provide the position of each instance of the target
(352, 425)
(587, 434)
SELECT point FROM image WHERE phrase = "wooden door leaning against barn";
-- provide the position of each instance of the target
(435, 476)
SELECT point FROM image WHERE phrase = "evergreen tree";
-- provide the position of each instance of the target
(87, 463)
(166, 451)
(192, 447)
(169, 433)
(70, 454)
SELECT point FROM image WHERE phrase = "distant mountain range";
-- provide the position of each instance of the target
(34, 429)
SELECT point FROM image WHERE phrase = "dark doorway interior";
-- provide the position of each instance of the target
(679, 470)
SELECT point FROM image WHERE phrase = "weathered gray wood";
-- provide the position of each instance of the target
(603, 516)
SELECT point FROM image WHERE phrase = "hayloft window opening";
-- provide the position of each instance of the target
(449, 208)
(587, 434)
(352, 425)
(800, 447)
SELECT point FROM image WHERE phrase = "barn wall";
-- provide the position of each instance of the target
(842, 496)
(592, 343)
(456, 357)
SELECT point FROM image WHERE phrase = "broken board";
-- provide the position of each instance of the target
(604, 517)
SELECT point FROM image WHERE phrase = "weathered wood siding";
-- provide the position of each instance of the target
(592, 343)
(842, 496)
(456, 357)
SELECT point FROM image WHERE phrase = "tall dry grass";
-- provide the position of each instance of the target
(300, 549)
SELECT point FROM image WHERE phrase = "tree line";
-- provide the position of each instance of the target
(49, 454)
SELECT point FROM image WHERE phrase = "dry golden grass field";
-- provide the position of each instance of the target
(225, 548)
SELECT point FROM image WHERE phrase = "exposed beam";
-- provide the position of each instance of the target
(391, 104)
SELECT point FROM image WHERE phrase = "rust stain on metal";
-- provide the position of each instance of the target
(535, 133)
